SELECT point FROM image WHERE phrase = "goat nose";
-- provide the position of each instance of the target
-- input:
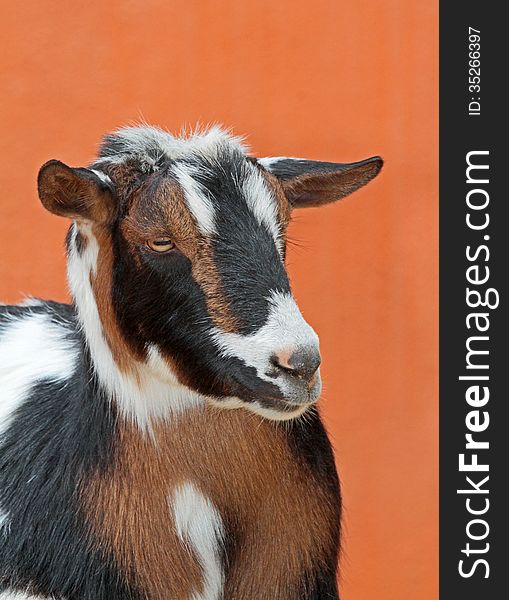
(302, 363)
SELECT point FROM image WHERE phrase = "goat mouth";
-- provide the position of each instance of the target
(282, 408)
(282, 393)
(280, 399)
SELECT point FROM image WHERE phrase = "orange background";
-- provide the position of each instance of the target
(333, 80)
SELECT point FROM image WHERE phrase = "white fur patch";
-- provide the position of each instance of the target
(284, 330)
(157, 393)
(199, 526)
(272, 414)
(32, 349)
(4, 524)
(102, 176)
(262, 203)
(196, 198)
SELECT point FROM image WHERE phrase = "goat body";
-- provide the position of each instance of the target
(217, 503)
(159, 437)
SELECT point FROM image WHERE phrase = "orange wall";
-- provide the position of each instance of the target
(334, 80)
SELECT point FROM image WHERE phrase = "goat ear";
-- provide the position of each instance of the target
(313, 183)
(74, 193)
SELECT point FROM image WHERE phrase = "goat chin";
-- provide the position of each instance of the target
(280, 412)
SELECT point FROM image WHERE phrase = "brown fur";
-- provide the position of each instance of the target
(279, 512)
(65, 193)
(318, 188)
(102, 283)
(205, 273)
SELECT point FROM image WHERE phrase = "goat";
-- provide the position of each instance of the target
(142, 454)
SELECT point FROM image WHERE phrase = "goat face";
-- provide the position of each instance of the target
(188, 267)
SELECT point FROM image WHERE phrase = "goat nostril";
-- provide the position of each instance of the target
(302, 364)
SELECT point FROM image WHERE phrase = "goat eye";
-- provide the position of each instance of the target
(161, 245)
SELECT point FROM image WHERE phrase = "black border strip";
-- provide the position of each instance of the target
(461, 133)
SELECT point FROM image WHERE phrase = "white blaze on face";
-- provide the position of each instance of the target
(200, 527)
(285, 331)
(262, 203)
(196, 198)
(255, 192)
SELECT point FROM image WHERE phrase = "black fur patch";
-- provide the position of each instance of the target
(324, 587)
(248, 262)
(288, 168)
(310, 444)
